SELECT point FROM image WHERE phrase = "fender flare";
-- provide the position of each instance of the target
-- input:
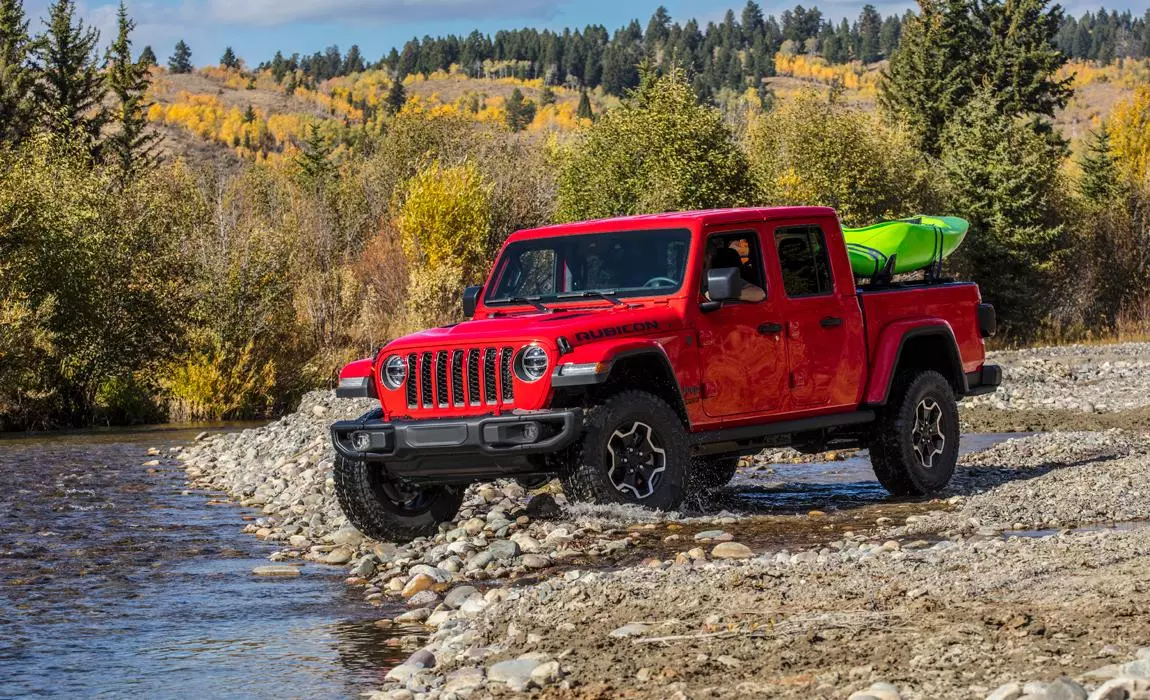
(605, 364)
(888, 355)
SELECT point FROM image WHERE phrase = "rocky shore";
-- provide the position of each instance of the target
(1026, 580)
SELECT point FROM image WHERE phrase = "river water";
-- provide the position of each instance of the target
(115, 582)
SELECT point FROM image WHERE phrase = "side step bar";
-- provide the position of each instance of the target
(754, 436)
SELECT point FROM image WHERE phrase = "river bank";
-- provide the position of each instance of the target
(755, 591)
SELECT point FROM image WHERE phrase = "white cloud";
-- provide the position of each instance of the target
(269, 13)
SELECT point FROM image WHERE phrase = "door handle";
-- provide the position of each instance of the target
(769, 328)
(831, 322)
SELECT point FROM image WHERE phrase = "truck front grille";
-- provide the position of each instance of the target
(460, 377)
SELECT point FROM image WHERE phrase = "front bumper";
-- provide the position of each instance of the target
(458, 450)
(985, 380)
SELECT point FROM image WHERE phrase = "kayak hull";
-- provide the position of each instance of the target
(914, 243)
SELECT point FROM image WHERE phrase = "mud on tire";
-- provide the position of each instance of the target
(383, 510)
(633, 449)
(914, 447)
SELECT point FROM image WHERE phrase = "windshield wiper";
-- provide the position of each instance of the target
(608, 294)
(531, 301)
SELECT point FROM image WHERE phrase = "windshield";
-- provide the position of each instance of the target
(618, 264)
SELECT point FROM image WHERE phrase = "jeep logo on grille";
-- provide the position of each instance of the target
(612, 331)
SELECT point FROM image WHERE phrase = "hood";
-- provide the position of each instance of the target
(578, 326)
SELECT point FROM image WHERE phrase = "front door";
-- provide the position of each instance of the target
(741, 344)
(824, 324)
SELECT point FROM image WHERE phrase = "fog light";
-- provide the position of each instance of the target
(531, 432)
(361, 441)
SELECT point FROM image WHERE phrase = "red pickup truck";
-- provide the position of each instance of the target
(638, 358)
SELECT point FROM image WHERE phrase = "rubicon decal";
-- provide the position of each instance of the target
(612, 331)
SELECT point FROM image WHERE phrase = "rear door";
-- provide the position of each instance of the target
(740, 345)
(825, 350)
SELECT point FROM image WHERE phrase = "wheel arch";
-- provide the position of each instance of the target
(644, 367)
(915, 345)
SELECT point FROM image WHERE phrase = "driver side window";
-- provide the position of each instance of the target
(737, 249)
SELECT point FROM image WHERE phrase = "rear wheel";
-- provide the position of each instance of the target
(633, 450)
(387, 510)
(915, 444)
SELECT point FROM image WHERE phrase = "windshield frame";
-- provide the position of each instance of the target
(682, 233)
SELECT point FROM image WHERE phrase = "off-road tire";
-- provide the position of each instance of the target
(897, 464)
(362, 492)
(712, 472)
(589, 464)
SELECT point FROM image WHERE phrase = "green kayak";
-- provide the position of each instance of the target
(914, 243)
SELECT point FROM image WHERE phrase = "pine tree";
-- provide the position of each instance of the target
(869, 29)
(148, 57)
(1003, 176)
(547, 96)
(396, 96)
(17, 75)
(1101, 181)
(70, 90)
(313, 156)
(584, 110)
(229, 60)
(131, 146)
(520, 111)
(953, 48)
(181, 60)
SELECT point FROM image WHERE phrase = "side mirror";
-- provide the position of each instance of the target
(724, 284)
(471, 299)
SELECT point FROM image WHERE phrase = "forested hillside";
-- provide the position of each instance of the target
(209, 243)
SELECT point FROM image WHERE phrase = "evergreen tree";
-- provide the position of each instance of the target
(353, 61)
(229, 60)
(181, 60)
(869, 30)
(313, 156)
(584, 110)
(1021, 60)
(148, 57)
(1003, 176)
(547, 96)
(888, 37)
(70, 90)
(278, 67)
(289, 84)
(17, 75)
(249, 115)
(396, 96)
(1101, 181)
(752, 22)
(520, 111)
(131, 146)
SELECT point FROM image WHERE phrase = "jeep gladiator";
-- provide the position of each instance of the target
(638, 358)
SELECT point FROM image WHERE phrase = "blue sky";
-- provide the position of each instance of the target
(257, 28)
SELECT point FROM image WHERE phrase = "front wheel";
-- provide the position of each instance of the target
(634, 450)
(914, 447)
(389, 511)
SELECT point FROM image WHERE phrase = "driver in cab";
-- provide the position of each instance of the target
(729, 257)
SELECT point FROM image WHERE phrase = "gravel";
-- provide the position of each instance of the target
(1024, 581)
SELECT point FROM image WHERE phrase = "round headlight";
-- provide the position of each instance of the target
(394, 372)
(531, 363)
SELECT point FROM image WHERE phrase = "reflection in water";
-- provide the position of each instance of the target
(113, 582)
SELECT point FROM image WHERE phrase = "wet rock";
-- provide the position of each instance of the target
(276, 570)
(421, 659)
(436, 574)
(417, 615)
(365, 567)
(731, 550)
(543, 507)
(338, 556)
(402, 672)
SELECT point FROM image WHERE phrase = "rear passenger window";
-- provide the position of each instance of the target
(804, 262)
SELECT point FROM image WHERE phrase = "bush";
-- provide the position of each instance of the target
(811, 151)
(660, 151)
